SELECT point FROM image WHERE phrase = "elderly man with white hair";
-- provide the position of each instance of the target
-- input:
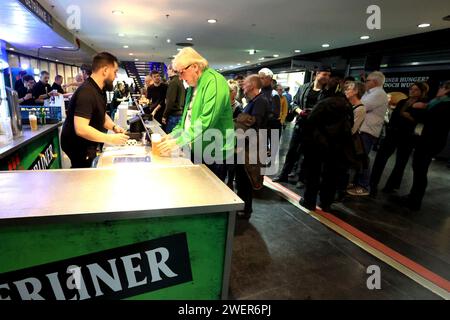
(207, 106)
(375, 101)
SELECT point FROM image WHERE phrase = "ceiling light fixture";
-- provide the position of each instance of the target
(247, 61)
(251, 52)
(325, 45)
(121, 34)
(238, 64)
(131, 54)
(125, 47)
(118, 12)
(12, 49)
(276, 55)
(169, 41)
(189, 39)
(136, 59)
(424, 25)
(47, 47)
(212, 21)
(56, 60)
(364, 37)
(261, 59)
(297, 51)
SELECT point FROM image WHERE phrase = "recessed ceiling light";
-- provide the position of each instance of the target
(231, 66)
(364, 37)
(212, 20)
(261, 59)
(168, 40)
(414, 63)
(238, 64)
(247, 61)
(121, 34)
(276, 55)
(297, 51)
(47, 47)
(189, 39)
(125, 47)
(12, 49)
(56, 60)
(424, 25)
(131, 54)
(118, 12)
(136, 59)
(325, 45)
(220, 69)
(251, 51)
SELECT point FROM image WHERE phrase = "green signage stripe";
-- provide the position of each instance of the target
(31, 245)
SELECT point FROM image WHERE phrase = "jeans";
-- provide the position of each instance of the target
(368, 142)
(172, 121)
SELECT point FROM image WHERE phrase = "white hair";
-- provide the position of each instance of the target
(379, 77)
(188, 56)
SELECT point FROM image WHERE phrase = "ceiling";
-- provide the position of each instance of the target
(27, 34)
(271, 27)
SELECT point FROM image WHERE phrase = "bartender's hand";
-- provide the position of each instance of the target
(117, 138)
(28, 96)
(118, 129)
(166, 147)
(164, 121)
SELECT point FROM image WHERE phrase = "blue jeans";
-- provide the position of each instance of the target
(368, 142)
(171, 123)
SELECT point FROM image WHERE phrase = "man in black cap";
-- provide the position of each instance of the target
(307, 96)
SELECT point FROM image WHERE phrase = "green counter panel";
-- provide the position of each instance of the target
(34, 244)
(25, 157)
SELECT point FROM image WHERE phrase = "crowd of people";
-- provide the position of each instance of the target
(32, 93)
(337, 123)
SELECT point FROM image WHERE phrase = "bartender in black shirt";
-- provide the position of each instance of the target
(87, 118)
(57, 84)
(25, 94)
(42, 90)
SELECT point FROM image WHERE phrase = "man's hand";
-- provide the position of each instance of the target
(298, 110)
(117, 138)
(118, 129)
(164, 121)
(166, 147)
(28, 96)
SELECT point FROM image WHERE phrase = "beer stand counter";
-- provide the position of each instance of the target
(153, 230)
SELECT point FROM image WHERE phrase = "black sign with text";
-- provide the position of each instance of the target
(110, 274)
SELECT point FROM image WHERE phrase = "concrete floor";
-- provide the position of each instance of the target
(283, 253)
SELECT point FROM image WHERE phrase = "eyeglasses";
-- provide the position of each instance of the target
(180, 72)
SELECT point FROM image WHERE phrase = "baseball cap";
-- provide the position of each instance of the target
(266, 72)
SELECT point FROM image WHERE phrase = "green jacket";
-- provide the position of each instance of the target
(211, 109)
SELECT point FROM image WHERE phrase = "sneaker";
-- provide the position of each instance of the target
(243, 215)
(358, 191)
(299, 185)
(280, 178)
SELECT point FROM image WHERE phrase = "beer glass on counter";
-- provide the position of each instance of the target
(33, 120)
(156, 140)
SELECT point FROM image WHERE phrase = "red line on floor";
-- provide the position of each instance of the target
(414, 266)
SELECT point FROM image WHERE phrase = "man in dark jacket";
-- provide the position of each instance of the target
(327, 140)
(174, 101)
(266, 76)
(432, 140)
(307, 96)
